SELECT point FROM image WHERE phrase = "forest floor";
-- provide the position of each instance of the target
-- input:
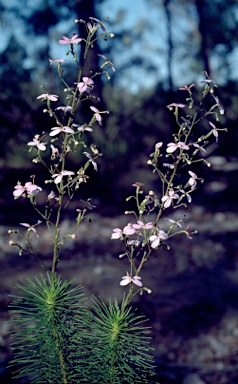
(193, 308)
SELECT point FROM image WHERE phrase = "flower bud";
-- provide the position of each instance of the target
(12, 231)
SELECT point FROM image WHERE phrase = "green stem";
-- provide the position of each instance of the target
(57, 341)
(61, 357)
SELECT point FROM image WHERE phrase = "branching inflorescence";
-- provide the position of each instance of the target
(173, 163)
(69, 338)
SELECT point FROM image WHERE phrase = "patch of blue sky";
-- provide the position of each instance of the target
(148, 21)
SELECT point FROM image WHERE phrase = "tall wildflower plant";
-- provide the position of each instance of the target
(57, 338)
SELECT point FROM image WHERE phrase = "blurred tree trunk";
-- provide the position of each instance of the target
(169, 42)
(85, 9)
(203, 26)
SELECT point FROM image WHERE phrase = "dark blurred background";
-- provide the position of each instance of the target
(159, 46)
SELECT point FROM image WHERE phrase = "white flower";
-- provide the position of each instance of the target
(52, 196)
(82, 128)
(167, 199)
(127, 280)
(187, 195)
(214, 130)
(201, 149)
(30, 228)
(48, 97)
(64, 109)
(97, 115)
(57, 130)
(58, 176)
(156, 239)
(117, 233)
(167, 165)
(133, 243)
(192, 181)
(55, 151)
(171, 147)
(174, 222)
(38, 144)
(92, 161)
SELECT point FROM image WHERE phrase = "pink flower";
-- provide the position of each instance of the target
(32, 189)
(19, 190)
(207, 81)
(58, 176)
(187, 231)
(86, 85)
(134, 243)
(174, 222)
(117, 233)
(64, 109)
(97, 115)
(73, 40)
(186, 194)
(214, 131)
(56, 61)
(82, 128)
(100, 23)
(38, 144)
(48, 96)
(108, 62)
(192, 181)
(127, 230)
(171, 147)
(221, 108)
(28, 188)
(167, 199)
(158, 145)
(167, 165)
(51, 196)
(57, 130)
(127, 280)
(140, 225)
(156, 239)
(95, 166)
(175, 105)
(30, 228)
(55, 151)
(186, 87)
(201, 149)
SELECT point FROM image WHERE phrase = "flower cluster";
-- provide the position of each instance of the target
(147, 234)
(142, 239)
(53, 148)
(175, 172)
(130, 229)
